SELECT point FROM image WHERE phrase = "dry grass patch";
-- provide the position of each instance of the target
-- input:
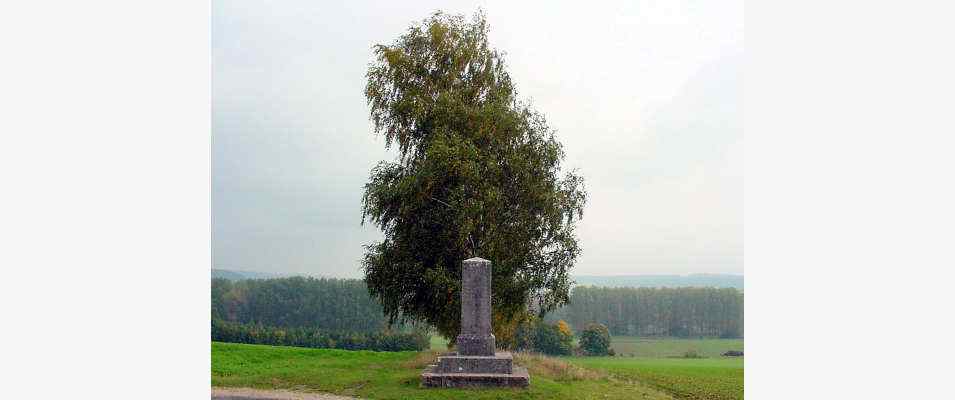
(556, 369)
(421, 360)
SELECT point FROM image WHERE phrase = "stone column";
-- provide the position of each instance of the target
(475, 364)
(476, 338)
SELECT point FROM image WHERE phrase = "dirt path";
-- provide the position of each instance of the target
(258, 394)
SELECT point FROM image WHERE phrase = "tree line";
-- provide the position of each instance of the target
(677, 312)
(333, 305)
(345, 306)
(233, 332)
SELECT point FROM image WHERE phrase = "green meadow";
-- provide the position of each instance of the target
(394, 375)
(706, 378)
(666, 348)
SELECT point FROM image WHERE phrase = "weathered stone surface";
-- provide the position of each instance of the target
(501, 363)
(476, 338)
(519, 378)
(477, 345)
(475, 364)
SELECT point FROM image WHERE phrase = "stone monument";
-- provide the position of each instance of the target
(475, 364)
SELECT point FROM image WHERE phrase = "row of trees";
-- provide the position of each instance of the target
(344, 305)
(679, 312)
(223, 331)
(334, 305)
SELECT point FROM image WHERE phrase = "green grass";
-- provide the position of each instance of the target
(668, 347)
(439, 343)
(648, 370)
(634, 346)
(710, 378)
(383, 375)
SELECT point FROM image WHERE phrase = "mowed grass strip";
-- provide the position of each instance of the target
(384, 375)
(691, 379)
(672, 347)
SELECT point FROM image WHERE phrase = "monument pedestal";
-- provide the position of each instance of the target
(453, 363)
(454, 370)
(519, 379)
(475, 364)
(475, 344)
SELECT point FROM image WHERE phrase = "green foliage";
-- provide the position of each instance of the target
(396, 375)
(524, 336)
(550, 340)
(674, 312)
(478, 174)
(538, 336)
(692, 353)
(230, 332)
(326, 304)
(595, 340)
(305, 312)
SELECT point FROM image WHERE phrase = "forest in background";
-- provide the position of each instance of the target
(344, 305)
(674, 312)
(691, 280)
(339, 305)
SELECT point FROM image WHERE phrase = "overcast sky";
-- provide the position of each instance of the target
(646, 97)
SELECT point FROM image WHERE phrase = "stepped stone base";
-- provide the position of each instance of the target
(519, 378)
(454, 363)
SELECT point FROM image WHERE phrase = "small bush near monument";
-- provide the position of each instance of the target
(595, 340)
(541, 337)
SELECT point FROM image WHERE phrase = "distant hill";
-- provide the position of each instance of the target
(692, 280)
(239, 275)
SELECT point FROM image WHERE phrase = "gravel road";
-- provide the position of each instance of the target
(257, 394)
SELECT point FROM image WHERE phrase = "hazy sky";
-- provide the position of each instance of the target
(646, 97)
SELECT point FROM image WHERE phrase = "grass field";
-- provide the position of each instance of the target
(664, 348)
(650, 347)
(384, 375)
(707, 378)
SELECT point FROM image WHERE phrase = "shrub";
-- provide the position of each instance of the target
(692, 353)
(550, 339)
(595, 340)
(538, 336)
(525, 334)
